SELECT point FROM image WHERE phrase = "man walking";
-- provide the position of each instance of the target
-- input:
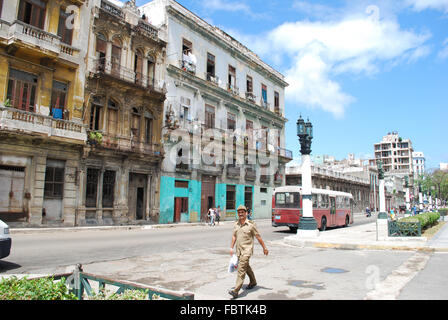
(244, 232)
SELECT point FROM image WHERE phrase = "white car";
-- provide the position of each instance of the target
(5, 240)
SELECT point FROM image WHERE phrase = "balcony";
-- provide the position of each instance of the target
(38, 39)
(188, 66)
(20, 31)
(212, 78)
(265, 104)
(105, 67)
(233, 89)
(265, 179)
(250, 97)
(284, 153)
(233, 171)
(278, 178)
(15, 120)
(251, 174)
(147, 30)
(112, 10)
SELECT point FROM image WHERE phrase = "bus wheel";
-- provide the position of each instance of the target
(323, 224)
(347, 221)
(293, 229)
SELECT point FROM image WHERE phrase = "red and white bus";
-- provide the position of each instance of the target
(330, 208)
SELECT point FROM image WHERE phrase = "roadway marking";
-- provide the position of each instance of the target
(390, 288)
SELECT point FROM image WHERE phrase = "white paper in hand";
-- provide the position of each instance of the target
(233, 263)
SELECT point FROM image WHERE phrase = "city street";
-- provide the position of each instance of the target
(195, 257)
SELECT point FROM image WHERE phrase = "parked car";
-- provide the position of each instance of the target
(5, 240)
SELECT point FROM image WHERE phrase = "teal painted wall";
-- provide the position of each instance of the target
(221, 198)
(168, 192)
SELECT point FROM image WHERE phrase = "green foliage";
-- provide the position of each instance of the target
(34, 289)
(96, 136)
(426, 219)
(126, 295)
(7, 103)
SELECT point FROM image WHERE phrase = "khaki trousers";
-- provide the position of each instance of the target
(243, 269)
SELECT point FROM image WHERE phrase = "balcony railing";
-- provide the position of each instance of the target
(187, 66)
(251, 174)
(233, 89)
(148, 30)
(265, 104)
(111, 9)
(233, 171)
(250, 96)
(34, 36)
(16, 120)
(103, 66)
(285, 153)
(212, 78)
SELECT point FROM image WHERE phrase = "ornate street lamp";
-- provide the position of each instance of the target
(307, 224)
(382, 214)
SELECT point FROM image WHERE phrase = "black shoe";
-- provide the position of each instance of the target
(233, 294)
(251, 286)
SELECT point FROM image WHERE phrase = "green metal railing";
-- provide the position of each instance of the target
(79, 283)
(404, 229)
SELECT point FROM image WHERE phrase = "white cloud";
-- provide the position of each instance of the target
(420, 5)
(314, 53)
(443, 54)
(232, 6)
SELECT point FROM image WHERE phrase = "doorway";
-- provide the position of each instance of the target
(207, 195)
(140, 201)
(180, 206)
(137, 196)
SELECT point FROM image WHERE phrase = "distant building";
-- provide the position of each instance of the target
(444, 166)
(418, 160)
(396, 155)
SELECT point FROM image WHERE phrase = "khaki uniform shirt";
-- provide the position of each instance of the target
(245, 237)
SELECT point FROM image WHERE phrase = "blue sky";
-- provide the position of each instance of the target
(357, 69)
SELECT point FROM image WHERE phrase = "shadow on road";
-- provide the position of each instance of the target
(6, 266)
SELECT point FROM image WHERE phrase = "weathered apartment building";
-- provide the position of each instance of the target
(81, 107)
(224, 120)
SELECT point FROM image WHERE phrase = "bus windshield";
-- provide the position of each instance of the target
(287, 200)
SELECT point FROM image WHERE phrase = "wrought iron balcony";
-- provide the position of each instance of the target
(111, 9)
(250, 96)
(148, 30)
(233, 171)
(233, 89)
(115, 70)
(15, 120)
(212, 78)
(187, 66)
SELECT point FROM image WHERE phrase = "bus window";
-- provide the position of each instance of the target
(287, 200)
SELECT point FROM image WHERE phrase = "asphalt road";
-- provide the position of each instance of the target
(194, 258)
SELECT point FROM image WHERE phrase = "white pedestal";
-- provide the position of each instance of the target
(382, 232)
(307, 234)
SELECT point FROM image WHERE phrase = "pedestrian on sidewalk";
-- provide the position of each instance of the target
(368, 212)
(218, 214)
(244, 232)
(211, 214)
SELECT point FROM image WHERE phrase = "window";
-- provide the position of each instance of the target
(231, 198)
(249, 84)
(151, 70)
(116, 57)
(101, 48)
(58, 99)
(187, 47)
(95, 114)
(249, 132)
(1, 5)
(315, 201)
(54, 179)
(138, 67)
(231, 121)
(148, 127)
(264, 95)
(287, 200)
(91, 187)
(276, 102)
(108, 188)
(112, 117)
(209, 117)
(232, 78)
(32, 12)
(65, 33)
(135, 124)
(22, 88)
(263, 190)
(181, 184)
(210, 66)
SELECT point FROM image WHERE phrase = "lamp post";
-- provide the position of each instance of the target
(382, 214)
(408, 200)
(307, 224)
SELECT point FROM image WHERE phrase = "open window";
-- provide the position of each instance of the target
(96, 109)
(112, 117)
(65, 33)
(210, 66)
(32, 12)
(58, 99)
(22, 87)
